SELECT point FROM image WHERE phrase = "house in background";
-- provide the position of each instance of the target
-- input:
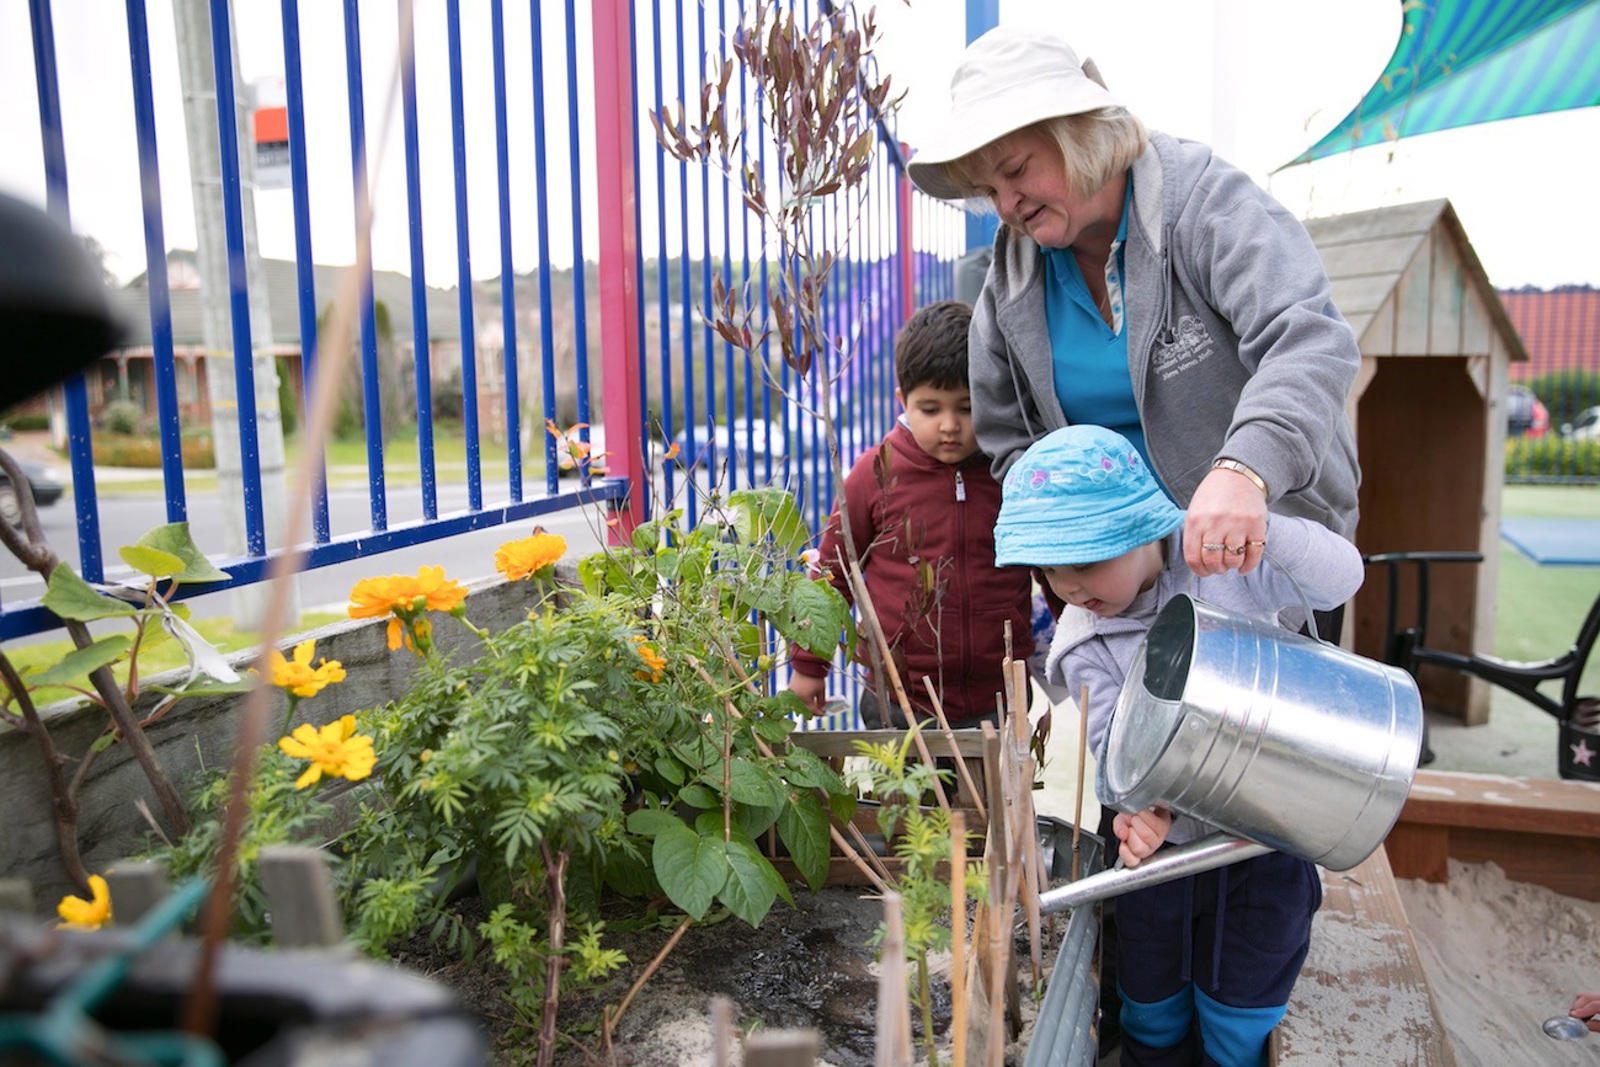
(1560, 329)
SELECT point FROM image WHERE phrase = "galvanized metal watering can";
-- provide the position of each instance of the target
(1284, 742)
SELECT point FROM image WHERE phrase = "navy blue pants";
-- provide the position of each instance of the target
(1205, 963)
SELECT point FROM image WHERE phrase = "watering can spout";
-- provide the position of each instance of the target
(1216, 850)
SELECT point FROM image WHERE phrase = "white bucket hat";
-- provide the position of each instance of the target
(1008, 79)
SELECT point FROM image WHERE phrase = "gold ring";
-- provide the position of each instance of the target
(1213, 548)
(1237, 550)
(1257, 544)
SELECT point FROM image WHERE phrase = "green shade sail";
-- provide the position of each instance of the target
(1461, 62)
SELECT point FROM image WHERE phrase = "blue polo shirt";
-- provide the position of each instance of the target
(1091, 358)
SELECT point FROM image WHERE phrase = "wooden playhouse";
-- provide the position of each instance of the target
(1429, 411)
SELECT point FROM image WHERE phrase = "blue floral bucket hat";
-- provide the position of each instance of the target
(1080, 494)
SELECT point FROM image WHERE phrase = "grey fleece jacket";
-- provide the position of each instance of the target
(1234, 345)
(1090, 651)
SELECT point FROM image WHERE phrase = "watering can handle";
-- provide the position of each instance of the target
(1305, 601)
(1208, 853)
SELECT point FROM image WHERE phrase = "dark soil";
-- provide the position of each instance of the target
(805, 967)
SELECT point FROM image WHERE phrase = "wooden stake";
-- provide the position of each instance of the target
(955, 752)
(894, 995)
(1083, 745)
(721, 1032)
(958, 938)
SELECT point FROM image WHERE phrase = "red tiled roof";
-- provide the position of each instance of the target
(1561, 329)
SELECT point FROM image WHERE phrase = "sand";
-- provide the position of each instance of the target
(1502, 957)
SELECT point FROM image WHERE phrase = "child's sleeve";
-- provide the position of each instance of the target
(1077, 661)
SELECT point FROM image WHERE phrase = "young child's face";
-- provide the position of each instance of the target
(941, 421)
(1107, 588)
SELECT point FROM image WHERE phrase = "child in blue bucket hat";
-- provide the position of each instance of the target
(1205, 963)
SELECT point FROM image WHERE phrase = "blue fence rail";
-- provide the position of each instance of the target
(621, 234)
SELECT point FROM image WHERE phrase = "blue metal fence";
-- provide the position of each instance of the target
(663, 225)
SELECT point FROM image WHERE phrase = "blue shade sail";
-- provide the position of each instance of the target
(1462, 62)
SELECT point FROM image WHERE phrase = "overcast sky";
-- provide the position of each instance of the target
(1274, 79)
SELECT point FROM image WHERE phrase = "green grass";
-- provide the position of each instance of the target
(164, 655)
(1538, 609)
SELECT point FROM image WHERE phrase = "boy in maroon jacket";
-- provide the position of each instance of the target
(922, 512)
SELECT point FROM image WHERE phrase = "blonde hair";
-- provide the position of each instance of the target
(1095, 146)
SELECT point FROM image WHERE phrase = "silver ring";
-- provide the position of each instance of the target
(1213, 548)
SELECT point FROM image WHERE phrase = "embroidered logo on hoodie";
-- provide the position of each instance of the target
(1190, 347)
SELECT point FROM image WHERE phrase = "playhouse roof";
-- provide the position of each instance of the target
(1409, 283)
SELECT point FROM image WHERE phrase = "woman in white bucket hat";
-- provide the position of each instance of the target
(1142, 283)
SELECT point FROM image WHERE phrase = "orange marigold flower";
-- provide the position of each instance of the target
(444, 594)
(298, 676)
(79, 914)
(520, 559)
(375, 597)
(335, 750)
(652, 660)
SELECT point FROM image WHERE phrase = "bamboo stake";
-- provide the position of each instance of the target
(1032, 880)
(881, 884)
(998, 957)
(958, 938)
(1083, 744)
(721, 1032)
(955, 751)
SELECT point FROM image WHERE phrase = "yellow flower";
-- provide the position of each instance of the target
(298, 676)
(519, 559)
(374, 597)
(79, 914)
(335, 750)
(652, 660)
(443, 594)
(405, 598)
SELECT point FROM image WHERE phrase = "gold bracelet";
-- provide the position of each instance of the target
(1240, 468)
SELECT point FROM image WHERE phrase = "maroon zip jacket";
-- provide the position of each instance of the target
(919, 509)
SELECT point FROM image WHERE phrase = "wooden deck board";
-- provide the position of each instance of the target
(1538, 830)
(1362, 997)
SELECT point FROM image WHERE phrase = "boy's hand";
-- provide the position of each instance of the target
(1586, 1006)
(811, 691)
(1141, 833)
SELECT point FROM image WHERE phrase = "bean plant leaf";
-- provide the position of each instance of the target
(74, 599)
(651, 822)
(747, 783)
(698, 796)
(804, 767)
(813, 614)
(803, 828)
(174, 540)
(80, 663)
(769, 512)
(690, 868)
(752, 884)
(151, 561)
(602, 573)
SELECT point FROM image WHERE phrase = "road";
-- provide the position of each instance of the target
(124, 518)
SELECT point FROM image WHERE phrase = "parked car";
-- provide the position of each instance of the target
(1526, 415)
(725, 446)
(1586, 427)
(47, 489)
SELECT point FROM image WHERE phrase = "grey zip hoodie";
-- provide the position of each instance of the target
(1234, 346)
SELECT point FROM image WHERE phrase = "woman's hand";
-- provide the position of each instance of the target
(1141, 833)
(1228, 513)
